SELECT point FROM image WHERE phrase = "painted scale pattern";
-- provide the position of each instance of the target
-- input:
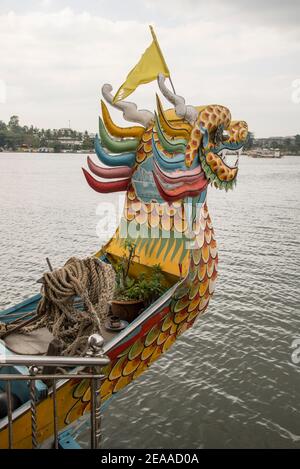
(166, 218)
(187, 304)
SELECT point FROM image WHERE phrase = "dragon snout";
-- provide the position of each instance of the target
(217, 154)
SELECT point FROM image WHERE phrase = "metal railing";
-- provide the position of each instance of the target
(94, 360)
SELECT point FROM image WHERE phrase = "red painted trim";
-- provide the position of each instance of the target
(109, 173)
(186, 190)
(145, 328)
(175, 177)
(105, 187)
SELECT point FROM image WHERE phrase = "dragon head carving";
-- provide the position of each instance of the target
(174, 155)
(209, 135)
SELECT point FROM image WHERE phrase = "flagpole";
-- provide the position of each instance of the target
(170, 80)
(161, 54)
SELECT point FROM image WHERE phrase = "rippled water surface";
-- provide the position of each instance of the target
(229, 381)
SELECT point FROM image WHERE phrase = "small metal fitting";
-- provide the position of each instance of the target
(96, 342)
(33, 370)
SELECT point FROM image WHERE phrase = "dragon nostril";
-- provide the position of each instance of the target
(225, 135)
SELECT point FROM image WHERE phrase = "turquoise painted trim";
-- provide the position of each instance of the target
(66, 441)
(170, 164)
(14, 312)
(204, 132)
(144, 184)
(125, 159)
(23, 307)
(229, 146)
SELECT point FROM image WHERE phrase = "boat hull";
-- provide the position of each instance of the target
(133, 353)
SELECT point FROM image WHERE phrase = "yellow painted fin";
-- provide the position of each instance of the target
(117, 131)
(174, 129)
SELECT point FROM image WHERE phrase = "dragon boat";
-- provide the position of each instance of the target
(165, 163)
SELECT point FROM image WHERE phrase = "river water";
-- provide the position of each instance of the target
(230, 381)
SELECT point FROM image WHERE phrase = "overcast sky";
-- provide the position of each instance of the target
(56, 54)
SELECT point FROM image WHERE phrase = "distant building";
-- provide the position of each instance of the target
(45, 150)
(69, 141)
(66, 131)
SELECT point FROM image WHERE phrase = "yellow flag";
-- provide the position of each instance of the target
(150, 65)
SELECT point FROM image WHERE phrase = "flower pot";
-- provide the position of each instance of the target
(127, 310)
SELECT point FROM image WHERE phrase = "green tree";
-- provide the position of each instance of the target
(297, 141)
(250, 141)
(14, 124)
(87, 143)
(3, 134)
(15, 134)
(57, 146)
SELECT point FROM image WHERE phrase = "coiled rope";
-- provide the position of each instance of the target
(91, 280)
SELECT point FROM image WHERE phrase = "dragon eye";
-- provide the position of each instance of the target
(221, 135)
(218, 137)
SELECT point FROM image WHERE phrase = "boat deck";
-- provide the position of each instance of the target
(37, 342)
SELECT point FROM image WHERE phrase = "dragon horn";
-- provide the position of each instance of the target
(189, 113)
(117, 131)
(116, 146)
(130, 110)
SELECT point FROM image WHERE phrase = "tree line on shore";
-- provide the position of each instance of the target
(15, 137)
(286, 145)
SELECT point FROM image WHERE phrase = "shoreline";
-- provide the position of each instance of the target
(92, 151)
(63, 152)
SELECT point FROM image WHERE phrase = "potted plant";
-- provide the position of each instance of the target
(132, 295)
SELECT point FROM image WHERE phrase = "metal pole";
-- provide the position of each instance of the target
(170, 79)
(41, 360)
(96, 435)
(96, 349)
(93, 414)
(33, 415)
(49, 264)
(55, 423)
(9, 377)
(161, 55)
(9, 415)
